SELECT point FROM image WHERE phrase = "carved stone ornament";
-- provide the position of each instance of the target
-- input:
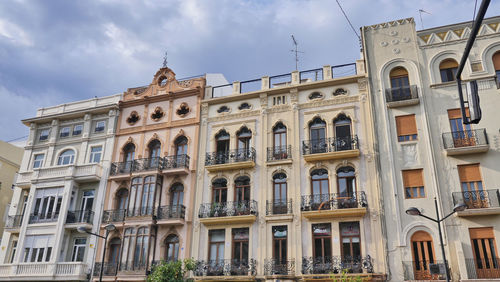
(183, 110)
(133, 118)
(339, 91)
(384, 44)
(396, 51)
(157, 114)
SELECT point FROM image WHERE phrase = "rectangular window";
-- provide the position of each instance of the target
(280, 235)
(77, 129)
(38, 161)
(406, 127)
(99, 126)
(217, 240)
(38, 248)
(13, 251)
(473, 192)
(47, 205)
(44, 134)
(350, 240)
(240, 245)
(79, 249)
(485, 253)
(413, 182)
(322, 242)
(64, 132)
(95, 154)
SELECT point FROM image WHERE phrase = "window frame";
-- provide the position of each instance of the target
(94, 154)
(44, 137)
(39, 162)
(61, 160)
(64, 132)
(77, 132)
(99, 129)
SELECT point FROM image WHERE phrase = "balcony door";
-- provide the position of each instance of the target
(217, 239)
(181, 147)
(400, 84)
(485, 254)
(343, 135)
(320, 193)
(462, 134)
(240, 251)
(279, 141)
(423, 255)
(244, 137)
(473, 192)
(317, 134)
(222, 147)
(172, 250)
(114, 252)
(346, 185)
(128, 156)
(350, 243)
(154, 153)
(322, 247)
(87, 204)
(279, 193)
(280, 249)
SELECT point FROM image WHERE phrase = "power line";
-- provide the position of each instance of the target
(353, 29)
(15, 139)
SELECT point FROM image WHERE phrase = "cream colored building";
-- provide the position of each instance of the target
(10, 161)
(425, 152)
(286, 184)
(60, 187)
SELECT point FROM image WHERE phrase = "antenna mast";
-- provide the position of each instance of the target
(296, 51)
(420, 11)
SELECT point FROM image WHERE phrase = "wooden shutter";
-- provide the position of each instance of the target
(480, 233)
(496, 61)
(457, 113)
(469, 173)
(406, 125)
(448, 64)
(413, 178)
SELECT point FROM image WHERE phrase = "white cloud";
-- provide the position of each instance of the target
(14, 33)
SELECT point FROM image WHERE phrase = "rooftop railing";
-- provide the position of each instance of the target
(280, 80)
(344, 70)
(250, 85)
(311, 75)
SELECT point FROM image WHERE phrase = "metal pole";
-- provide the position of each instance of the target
(103, 255)
(441, 240)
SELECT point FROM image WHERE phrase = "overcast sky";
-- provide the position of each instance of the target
(54, 52)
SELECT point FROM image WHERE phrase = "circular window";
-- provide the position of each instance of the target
(183, 110)
(162, 81)
(157, 114)
(133, 118)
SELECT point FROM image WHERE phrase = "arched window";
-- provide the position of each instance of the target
(320, 189)
(279, 142)
(346, 187)
(219, 190)
(181, 143)
(172, 248)
(121, 199)
(114, 252)
(154, 153)
(222, 147)
(129, 152)
(242, 189)
(400, 84)
(176, 195)
(496, 65)
(343, 136)
(66, 157)
(448, 70)
(317, 133)
(244, 137)
(279, 193)
(141, 248)
(423, 254)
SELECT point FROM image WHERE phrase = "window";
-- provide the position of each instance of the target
(47, 205)
(317, 133)
(79, 249)
(176, 196)
(423, 254)
(279, 142)
(280, 194)
(448, 70)
(38, 161)
(99, 126)
(181, 146)
(496, 65)
(77, 129)
(128, 156)
(66, 157)
(219, 190)
(315, 95)
(172, 251)
(128, 246)
(462, 134)
(400, 84)
(485, 253)
(141, 248)
(114, 251)
(216, 245)
(13, 250)
(133, 118)
(406, 127)
(142, 196)
(350, 241)
(240, 245)
(223, 109)
(242, 194)
(343, 136)
(44, 134)
(157, 114)
(121, 199)
(154, 148)
(222, 147)
(95, 154)
(244, 137)
(278, 100)
(87, 205)
(413, 182)
(244, 106)
(346, 185)
(280, 247)
(38, 248)
(64, 132)
(322, 242)
(473, 192)
(320, 191)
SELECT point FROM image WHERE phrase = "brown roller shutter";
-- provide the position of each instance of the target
(479, 233)
(469, 173)
(448, 64)
(413, 178)
(398, 71)
(406, 125)
(457, 113)
(496, 60)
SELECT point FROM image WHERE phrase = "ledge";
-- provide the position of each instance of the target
(208, 221)
(170, 221)
(479, 212)
(403, 103)
(336, 213)
(279, 162)
(175, 171)
(230, 166)
(332, 155)
(279, 218)
(224, 278)
(467, 150)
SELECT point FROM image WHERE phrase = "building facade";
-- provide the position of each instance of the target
(60, 187)
(426, 152)
(286, 185)
(150, 192)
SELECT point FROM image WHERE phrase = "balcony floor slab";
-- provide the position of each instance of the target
(467, 150)
(332, 155)
(230, 166)
(224, 220)
(337, 213)
(479, 212)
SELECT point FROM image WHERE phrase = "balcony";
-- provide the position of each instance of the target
(330, 148)
(173, 215)
(62, 271)
(336, 264)
(276, 267)
(80, 173)
(14, 221)
(174, 165)
(401, 96)
(43, 218)
(465, 142)
(228, 212)
(420, 270)
(141, 212)
(133, 267)
(170, 165)
(279, 155)
(79, 218)
(110, 269)
(234, 159)
(483, 268)
(483, 202)
(334, 205)
(279, 207)
(111, 216)
(230, 267)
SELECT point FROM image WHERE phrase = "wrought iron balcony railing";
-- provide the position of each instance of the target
(466, 138)
(41, 218)
(83, 216)
(279, 207)
(326, 145)
(279, 153)
(420, 270)
(403, 93)
(178, 161)
(168, 212)
(113, 216)
(121, 168)
(279, 267)
(14, 221)
(488, 268)
(140, 211)
(232, 156)
(147, 164)
(133, 266)
(228, 209)
(336, 264)
(230, 267)
(478, 199)
(333, 201)
(110, 269)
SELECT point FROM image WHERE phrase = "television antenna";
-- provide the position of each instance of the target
(420, 11)
(296, 51)
(165, 60)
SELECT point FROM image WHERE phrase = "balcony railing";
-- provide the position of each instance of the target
(403, 93)
(326, 145)
(171, 212)
(333, 201)
(14, 221)
(82, 216)
(41, 218)
(110, 269)
(147, 164)
(121, 168)
(228, 209)
(279, 153)
(232, 156)
(280, 80)
(336, 264)
(483, 268)
(420, 270)
(279, 207)
(133, 266)
(178, 161)
(466, 138)
(113, 216)
(344, 70)
(230, 267)
(478, 199)
(140, 211)
(279, 267)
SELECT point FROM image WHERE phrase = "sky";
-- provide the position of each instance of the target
(59, 51)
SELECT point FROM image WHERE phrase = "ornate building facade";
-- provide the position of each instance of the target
(286, 183)
(426, 152)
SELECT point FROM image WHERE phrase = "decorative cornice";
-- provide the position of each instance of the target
(234, 116)
(329, 102)
(279, 109)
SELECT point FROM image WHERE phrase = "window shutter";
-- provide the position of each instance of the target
(448, 64)
(413, 178)
(496, 61)
(469, 173)
(457, 113)
(480, 233)
(398, 71)
(406, 125)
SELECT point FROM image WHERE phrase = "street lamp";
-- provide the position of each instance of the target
(456, 208)
(110, 227)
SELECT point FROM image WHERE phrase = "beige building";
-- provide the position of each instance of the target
(426, 152)
(10, 161)
(286, 184)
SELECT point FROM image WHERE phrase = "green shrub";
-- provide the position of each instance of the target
(172, 271)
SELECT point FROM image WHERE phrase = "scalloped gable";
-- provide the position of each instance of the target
(390, 24)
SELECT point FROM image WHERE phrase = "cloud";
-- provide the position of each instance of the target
(14, 33)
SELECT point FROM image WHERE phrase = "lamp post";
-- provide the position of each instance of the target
(456, 208)
(110, 227)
